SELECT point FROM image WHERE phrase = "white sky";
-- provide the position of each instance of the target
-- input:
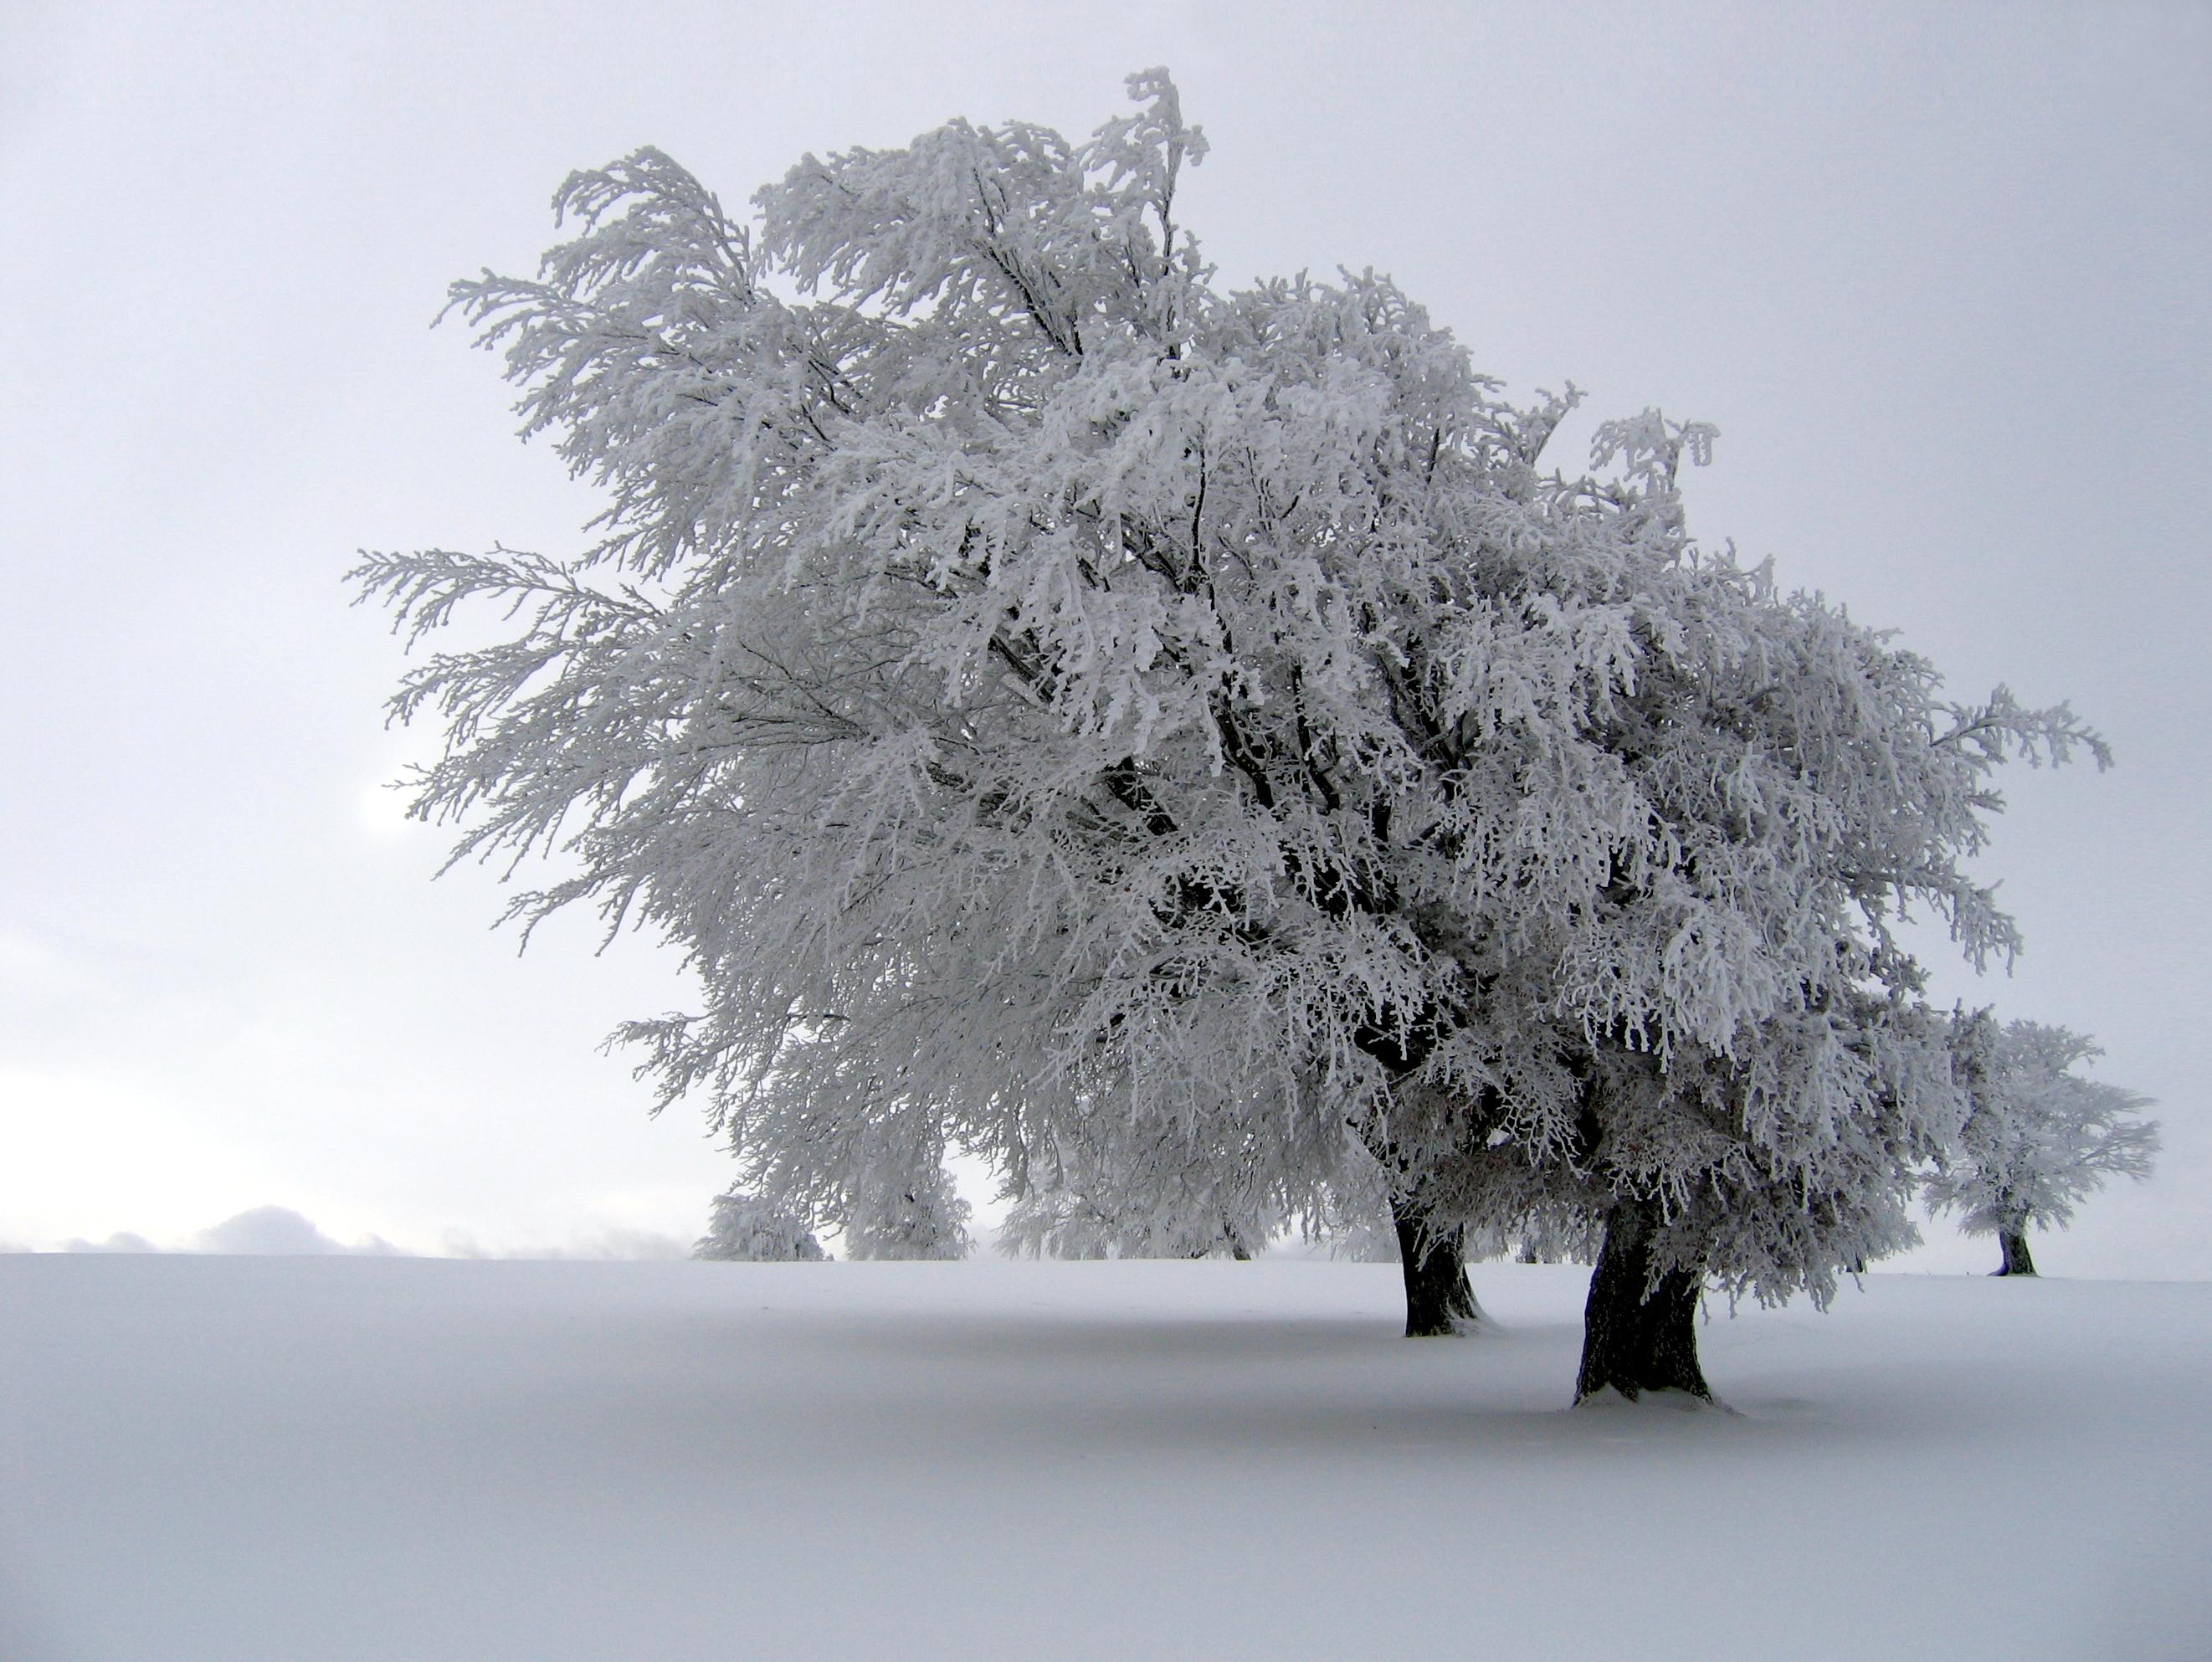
(1938, 273)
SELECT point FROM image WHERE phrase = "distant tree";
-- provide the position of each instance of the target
(899, 1202)
(1070, 713)
(747, 1228)
(1065, 1223)
(1128, 1189)
(2038, 1136)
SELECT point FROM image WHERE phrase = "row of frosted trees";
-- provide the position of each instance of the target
(1183, 747)
(2036, 1138)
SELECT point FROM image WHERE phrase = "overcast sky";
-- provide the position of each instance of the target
(1938, 274)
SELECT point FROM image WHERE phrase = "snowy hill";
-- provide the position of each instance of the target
(417, 1460)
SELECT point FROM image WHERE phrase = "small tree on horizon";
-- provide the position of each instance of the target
(1126, 1190)
(2038, 1137)
(889, 1195)
(915, 1214)
(746, 1229)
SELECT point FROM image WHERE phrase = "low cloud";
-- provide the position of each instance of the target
(121, 1241)
(605, 1241)
(261, 1232)
(280, 1231)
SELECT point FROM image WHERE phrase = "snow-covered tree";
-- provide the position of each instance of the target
(1762, 1074)
(747, 1228)
(2038, 1136)
(1126, 1190)
(899, 1204)
(1069, 713)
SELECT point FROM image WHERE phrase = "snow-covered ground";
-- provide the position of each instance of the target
(320, 1459)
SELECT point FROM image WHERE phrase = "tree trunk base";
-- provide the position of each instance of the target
(2016, 1260)
(1439, 1299)
(1638, 1335)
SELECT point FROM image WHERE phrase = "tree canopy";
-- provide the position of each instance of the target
(1182, 745)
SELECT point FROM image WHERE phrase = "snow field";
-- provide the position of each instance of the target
(420, 1460)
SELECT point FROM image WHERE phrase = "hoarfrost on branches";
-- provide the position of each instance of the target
(1182, 746)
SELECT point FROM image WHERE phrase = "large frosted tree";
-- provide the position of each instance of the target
(1184, 739)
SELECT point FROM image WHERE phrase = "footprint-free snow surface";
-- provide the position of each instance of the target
(209, 1459)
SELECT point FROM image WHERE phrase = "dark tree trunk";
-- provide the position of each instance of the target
(1633, 1343)
(1439, 1299)
(2016, 1260)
